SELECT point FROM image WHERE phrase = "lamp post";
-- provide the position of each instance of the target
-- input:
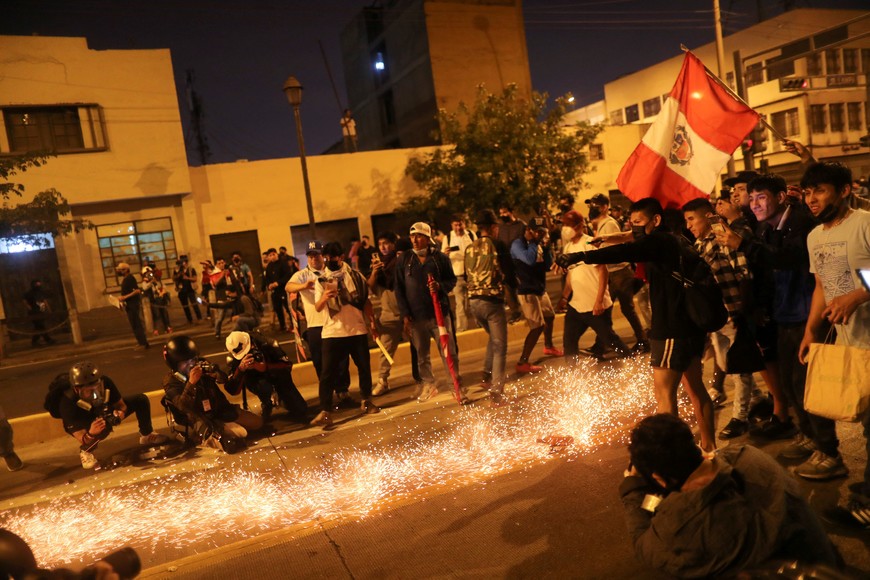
(293, 90)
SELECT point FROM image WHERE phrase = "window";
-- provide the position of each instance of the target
(814, 65)
(838, 121)
(596, 152)
(832, 62)
(651, 107)
(854, 115)
(616, 117)
(379, 65)
(134, 242)
(786, 122)
(818, 118)
(631, 114)
(777, 69)
(61, 129)
(729, 80)
(850, 60)
(754, 74)
(865, 60)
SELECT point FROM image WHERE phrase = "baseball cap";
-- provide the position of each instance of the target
(122, 266)
(538, 223)
(598, 199)
(572, 218)
(421, 228)
(314, 247)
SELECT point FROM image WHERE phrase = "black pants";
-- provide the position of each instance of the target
(336, 350)
(138, 405)
(576, 323)
(279, 299)
(189, 297)
(134, 315)
(793, 377)
(315, 345)
(160, 313)
(38, 321)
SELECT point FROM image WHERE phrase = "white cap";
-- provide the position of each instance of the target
(239, 344)
(422, 228)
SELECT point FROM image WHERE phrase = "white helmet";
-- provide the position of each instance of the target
(239, 344)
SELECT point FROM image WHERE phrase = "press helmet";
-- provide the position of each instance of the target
(238, 344)
(179, 349)
(83, 374)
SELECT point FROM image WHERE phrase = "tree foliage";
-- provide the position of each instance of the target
(44, 214)
(504, 150)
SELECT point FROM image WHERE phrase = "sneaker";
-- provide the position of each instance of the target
(382, 387)
(322, 420)
(718, 397)
(734, 428)
(553, 351)
(515, 317)
(345, 401)
(526, 367)
(642, 347)
(775, 428)
(153, 439)
(427, 392)
(855, 514)
(369, 408)
(592, 352)
(821, 467)
(13, 462)
(761, 408)
(88, 459)
(800, 448)
(498, 400)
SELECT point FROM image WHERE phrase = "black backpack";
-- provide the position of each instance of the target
(702, 296)
(57, 389)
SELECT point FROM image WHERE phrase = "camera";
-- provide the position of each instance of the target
(107, 414)
(257, 356)
(207, 367)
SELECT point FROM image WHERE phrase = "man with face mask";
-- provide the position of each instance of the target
(620, 276)
(676, 342)
(131, 299)
(382, 281)
(38, 309)
(415, 301)
(92, 406)
(696, 517)
(342, 293)
(510, 229)
(838, 247)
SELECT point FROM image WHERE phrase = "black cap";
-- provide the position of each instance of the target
(742, 177)
(537, 223)
(598, 199)
(486, 217)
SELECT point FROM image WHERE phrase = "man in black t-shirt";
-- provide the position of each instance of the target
(92, 406)
(131, 298)
(37, 309)
(185, 278)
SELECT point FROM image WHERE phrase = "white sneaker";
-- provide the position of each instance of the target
(153, 439)
(427, 393)
(88, 459)
(382, 387)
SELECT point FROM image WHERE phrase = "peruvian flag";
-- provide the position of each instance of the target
(699, 127)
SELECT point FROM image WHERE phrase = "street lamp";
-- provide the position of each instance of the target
(293, 90)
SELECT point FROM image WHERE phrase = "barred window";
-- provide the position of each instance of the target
(631, 114)
(787, 122)
(652, 107)
(55, 129)
(596, 152)
(819, 118)
(836, 113)
(853, 112)
(134, 242)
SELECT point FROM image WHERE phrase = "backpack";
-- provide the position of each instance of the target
(56, 391)
(483, 276)
(702, 296)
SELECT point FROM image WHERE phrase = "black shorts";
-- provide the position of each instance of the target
(766, 338)
(675, 353)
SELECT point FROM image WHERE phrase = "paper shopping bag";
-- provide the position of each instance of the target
(838, 382)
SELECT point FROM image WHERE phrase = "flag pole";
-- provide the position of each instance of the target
(722, 84)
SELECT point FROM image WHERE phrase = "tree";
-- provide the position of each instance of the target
(505, 150)
(44, 214)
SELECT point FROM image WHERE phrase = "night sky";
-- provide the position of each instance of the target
(241, 52)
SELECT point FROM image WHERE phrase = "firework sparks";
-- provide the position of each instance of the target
(586, 405)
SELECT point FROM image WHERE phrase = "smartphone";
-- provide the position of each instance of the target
(376, 258)
(864, 275)
(716, 223)
(453, 248)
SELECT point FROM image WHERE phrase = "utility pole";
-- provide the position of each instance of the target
(720, 59)
(197, 116)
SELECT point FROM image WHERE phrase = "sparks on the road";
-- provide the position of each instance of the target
(586, 404)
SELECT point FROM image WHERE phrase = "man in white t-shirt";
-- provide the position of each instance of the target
(454, 244)
(838, 247)
(620, 276)
(303, 282)
(585, 294)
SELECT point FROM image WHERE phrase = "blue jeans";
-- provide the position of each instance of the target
(421, 332)
(492, 318)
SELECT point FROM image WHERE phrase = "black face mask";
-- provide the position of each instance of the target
(506, 219)
(829, 213)
(565, 207)
(333, 265)
(638, 232)
(594, 212)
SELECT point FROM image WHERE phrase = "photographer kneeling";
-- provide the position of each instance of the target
(92, 407)
(261, 366)
(694, 517)
(192, 387)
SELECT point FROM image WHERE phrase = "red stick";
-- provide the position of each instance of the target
(445, 340)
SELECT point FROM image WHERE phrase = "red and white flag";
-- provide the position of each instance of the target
(699, 127)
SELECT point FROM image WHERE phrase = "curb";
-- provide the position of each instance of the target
(42, 427)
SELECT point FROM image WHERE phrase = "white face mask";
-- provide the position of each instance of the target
(422, 252)
(571, 232)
